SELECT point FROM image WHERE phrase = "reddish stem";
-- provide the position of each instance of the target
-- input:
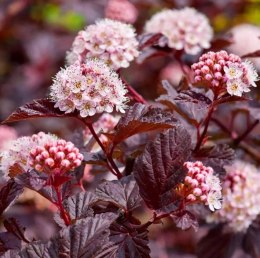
(111, 164)
(64, 215)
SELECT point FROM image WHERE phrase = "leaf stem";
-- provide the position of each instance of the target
(110, 162)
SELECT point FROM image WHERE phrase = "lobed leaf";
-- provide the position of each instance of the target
(160, 168)
(218, 244)
(8, 194)
(139, 119)
(36, 109)
(126, 242)
(124, 193)
(185, 220)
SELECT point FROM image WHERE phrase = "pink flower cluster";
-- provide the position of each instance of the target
(185, 29)
(201, 185)
(121, 10)
(7, 134)
(113, 42)
(18, 152)
(88, 88)
(104, 124)
(225, 72)
(241, 197)
(55, 157)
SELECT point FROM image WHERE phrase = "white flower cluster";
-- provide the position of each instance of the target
(89, 88)
(18, 152)
(185, 29)
(240, 77)
(112, 41)
(241, 197)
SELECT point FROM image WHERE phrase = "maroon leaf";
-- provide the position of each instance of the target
(215, 156)
(185, 220)
(12, 225)
(150, 39)
(86, 237)
(139, 119)
(160, 168)
(79, 206)
(195, 105)
(8, 241)
(252, 239)
(126, 242)
(221, 42)
(218, 244)
(36, 109)
(252, 54)
(8, 194)
(124, 193)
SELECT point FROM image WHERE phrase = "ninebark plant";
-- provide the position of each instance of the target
(179, 168)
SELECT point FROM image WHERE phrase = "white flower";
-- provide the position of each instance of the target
(88, 88)
(235, 87)
(185, 29)
(213, 200)
(213, 182)
(112, 41)
(233, 71)
(251, 73)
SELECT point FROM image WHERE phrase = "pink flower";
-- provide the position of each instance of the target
(185, 29)
(113, 42)
(88, 88)
(121, 10)
(7, 134)
(57, 156)
(241, 197)
(201, 185)
(225, 72)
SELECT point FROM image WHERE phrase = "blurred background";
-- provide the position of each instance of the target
(34, 38)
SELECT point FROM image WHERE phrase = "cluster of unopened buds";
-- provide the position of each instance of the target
(112, 41)
(201, 186)
(55, 157)
(241, 197)
(186, 29)
(225, 72)
(89, 88)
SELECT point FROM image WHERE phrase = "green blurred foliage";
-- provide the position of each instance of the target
(53, 15)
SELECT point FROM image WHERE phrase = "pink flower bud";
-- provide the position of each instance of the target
(49, 162)
(191, 198)
(218, 75)
(208, 77)
(77, 162)
(39, 167)
(217, 67)
(197, 78)
(71, 156)
(209, 62)
(65, 163)
(205, 69)
(194, 183)
(45, 154)
(60, 155)
(188, 179)
(203, 198)
(53, 150)
(197, 192)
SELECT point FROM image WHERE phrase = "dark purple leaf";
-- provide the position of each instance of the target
(8, 194)
(252, 54)
(95, 158)
(185, 220)
(221, 42)
(124, 193)
(86, 237)
(139, 119)
(37, 108)
(218, 244)
(126, 242)
(160, 168)
(215, 156)
(252, 239)
(8, 241)
(79, 206)
(150, 39)
(40, 249)
(195, 105)
(12, 225)
(10, 254)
